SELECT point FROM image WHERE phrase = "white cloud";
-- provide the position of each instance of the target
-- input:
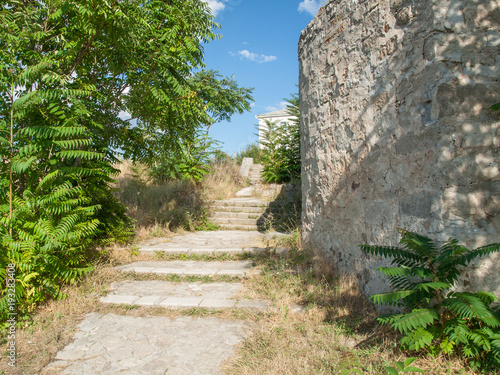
(311, 6)
(217, 6)
(281, 105)
(254, 56)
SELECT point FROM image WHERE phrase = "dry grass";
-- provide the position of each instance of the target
(159, 208)
(54, 323)
(223, 182)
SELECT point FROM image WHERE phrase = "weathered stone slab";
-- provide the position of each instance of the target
(112, 344)
(246, 192)
(232, 268)
(180, 295)
(207, 243)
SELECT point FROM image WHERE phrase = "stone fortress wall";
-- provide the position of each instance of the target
(396, 130)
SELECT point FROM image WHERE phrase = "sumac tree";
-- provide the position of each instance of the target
(81, 82)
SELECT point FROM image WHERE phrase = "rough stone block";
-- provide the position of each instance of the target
(180, 302)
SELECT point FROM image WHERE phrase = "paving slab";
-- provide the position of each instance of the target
(242, 202)
(231, 268)
(246, 192)
(180, 295)
(235, 241)
(114, 344)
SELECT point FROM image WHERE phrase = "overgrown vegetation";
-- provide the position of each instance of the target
(436, 319)
(337, 330)
(69, 70)
(174, 203)
(281, 154)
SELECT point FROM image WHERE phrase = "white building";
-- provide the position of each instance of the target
(280, 117)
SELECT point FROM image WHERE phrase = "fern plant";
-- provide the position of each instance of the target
(403, 367)
(45, 239)
(435, 318)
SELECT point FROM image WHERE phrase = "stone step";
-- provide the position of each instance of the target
(110, 344)
(241, 202)
(180, 295)
(246, 192)
(208, 250)
(233, 220)
(239, 215)
(245, 227)
(238, 209)
(191, 268)
(230, 242)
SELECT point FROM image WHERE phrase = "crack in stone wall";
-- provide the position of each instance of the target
(396, 130)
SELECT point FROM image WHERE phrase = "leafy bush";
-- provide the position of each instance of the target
(281, 154)
(191, 160)
(434, 318)
(68, 72)
(251, 151)
(45, 235)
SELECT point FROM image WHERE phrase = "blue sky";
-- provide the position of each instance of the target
(259, 46)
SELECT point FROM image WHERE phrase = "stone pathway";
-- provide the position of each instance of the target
(113, 344)
(180, 295)
(116, 344)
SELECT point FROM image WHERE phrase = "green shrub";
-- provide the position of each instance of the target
(434, 318)
(281, 154)
(46, 241)
(251, 151)
(189, 161)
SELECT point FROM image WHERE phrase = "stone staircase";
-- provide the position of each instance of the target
(239, 213)
(254, 174)
(108, 344)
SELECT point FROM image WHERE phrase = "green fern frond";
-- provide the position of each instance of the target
(390, 298)
(415, 319)
(393, 252)
(487, 297)
(419, 244)
(466, 305)
(419, 338)
(432, 286)
(479, 252)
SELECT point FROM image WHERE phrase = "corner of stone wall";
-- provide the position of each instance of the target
(396, 130)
